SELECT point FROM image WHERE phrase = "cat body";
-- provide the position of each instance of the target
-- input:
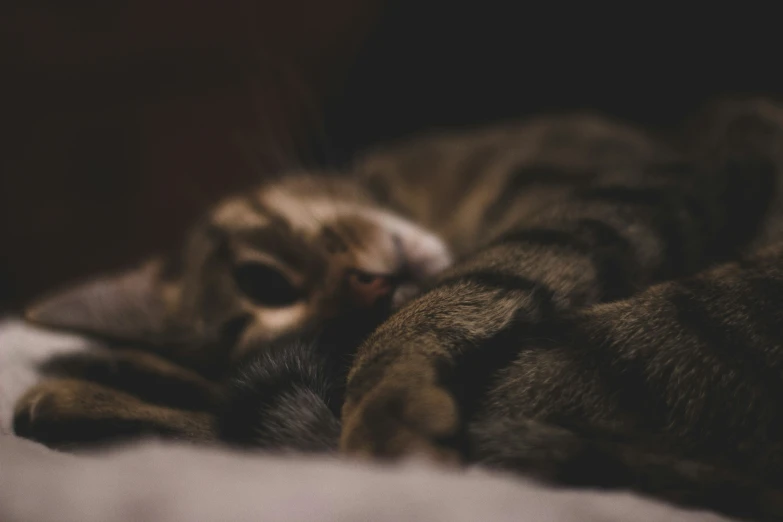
(292, 255)
(548, 331)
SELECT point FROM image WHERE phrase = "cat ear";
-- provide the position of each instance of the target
(129, 305)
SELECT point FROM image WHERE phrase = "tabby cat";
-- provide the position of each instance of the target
(587, 332)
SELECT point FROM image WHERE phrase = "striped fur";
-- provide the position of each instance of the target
(631, 223)
(593, 317)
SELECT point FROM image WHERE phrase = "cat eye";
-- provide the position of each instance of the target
(265, 285)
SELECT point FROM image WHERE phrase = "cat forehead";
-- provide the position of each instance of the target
(301, 221)
(302, 205)
(308, 213)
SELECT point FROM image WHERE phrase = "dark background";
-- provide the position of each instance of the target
(122, 121)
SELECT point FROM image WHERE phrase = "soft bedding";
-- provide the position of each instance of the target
(156, 481)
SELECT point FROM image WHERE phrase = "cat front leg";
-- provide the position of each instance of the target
(69, 413)
(100, 396)
(400, 397)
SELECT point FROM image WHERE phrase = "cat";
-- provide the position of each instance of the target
(306, 250)
(259, 266)
(547, 220)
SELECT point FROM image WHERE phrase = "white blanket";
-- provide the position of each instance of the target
(154, 481)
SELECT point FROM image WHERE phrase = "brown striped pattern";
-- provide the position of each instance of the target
(588, 296)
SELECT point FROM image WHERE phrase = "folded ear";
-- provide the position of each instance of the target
(129, 305)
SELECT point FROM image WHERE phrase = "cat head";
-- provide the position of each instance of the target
(292, 254)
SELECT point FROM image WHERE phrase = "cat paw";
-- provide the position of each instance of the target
(66, 413)
(63, 413)
(404, 414)
(38, 412)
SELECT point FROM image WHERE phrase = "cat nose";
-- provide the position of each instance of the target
(366, 289)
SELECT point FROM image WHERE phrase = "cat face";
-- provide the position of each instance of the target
(292, 254)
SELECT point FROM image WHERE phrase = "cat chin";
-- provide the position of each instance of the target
(424, 254)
